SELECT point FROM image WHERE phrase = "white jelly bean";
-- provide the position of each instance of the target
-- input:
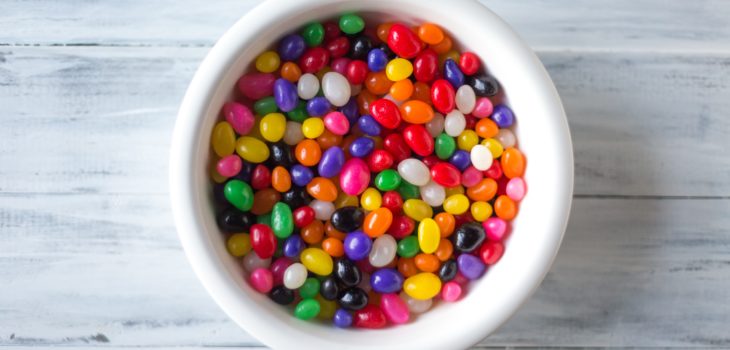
(252, 262)
(506, 137)
(295, 275)
(455, 123)
(465, 99)
(481, 157)
(293, 133)
(414, 171)
(436, 126)
(308, 86)
(433, 194)
(383, 251)
(322, 210)
(336, 88)
(416, 306)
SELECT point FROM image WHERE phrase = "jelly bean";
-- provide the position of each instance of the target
(357, 245)
(285, 95)
(334, 247)
(377, 83)
(307, 86)
(267, 62)
(401, 91)
(428, 235)
(386, 113)
(450, 191)
(425, 66)
(401, 227)
(354, 177)
(282, 295)
(261, 280)
(336, 88)
(307, 309)
(393, 201)
(264, 200)
(279, 266)
(471, 176)
(342, 319)
(416, 306)
(443, 46)
(331, 30)
(229, 166)
(281, 154)
(257, 85)
(293, 246)
(465, 99)
(416, 112)
(481, 157)
(468, 237)
(491, 252)
(265, 106)
(368, 125)
(308, 153)
(356, 72)
(430, 33)
(467, 140)
(347, 219)
(452, 55)
(387, 180)
(505, 208)
(238, 244)
(223, 139)
(435, 127)
(312, 128)
(309, 289)
(408, 246)
(515, 189)
(300, 175)
(397, 147)
(371, 199)
(403, 41)
(296, 197)
(291, 47)
(327, 308)
(513, 163)
(322, 210)
(295, 275)
(377, 60)
(408, 190)
(377, 222)
(233, 220)
(443, 97)
(433, 194)
(484, 190)
(483, 108)
(446, 175)
(329, 289)
(503, 116)
(422, 286)
(251, 149)
(346, 272)
(407, 267)
(394, 308)
(495, 228)
(398, 69)
(239, 117)
(340, 64)
(313, 34)
(359, 47)
(282, 221)
(251, 262)
(264, 219)
(371, 317)
(453, 74)
(417, 209)
(484, 86)
(338, 47)
(273, 126)
(317, 261)
(454, 123)
(239, 194)
(456, 204)
(328, 140)
(414, 171)
(448, 270)
(418, 139)
(481, 211)
(469, 63)
(380, 160)
(451, 292)
(350, 110)
(427, 262)
(382, 31)
(337, 123)
(470, 266)
(314, 59)
(445, 250)
(345, 200)
(293, 133)
(506, 138)
(322, 189)
(361, 147)
(386, 280)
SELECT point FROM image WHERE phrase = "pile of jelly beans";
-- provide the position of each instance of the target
(363, 173)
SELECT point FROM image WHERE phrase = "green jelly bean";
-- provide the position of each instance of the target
(408, 190)
(282, 221)
(313, 34)
(265, 106)
(239, 194)
(307, 309)
(408, 247)
(445, 146)
(309, 289)
(387, 180)
(351, 23)
(264, 219)
(299, 113)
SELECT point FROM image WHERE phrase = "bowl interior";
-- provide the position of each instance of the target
(542, 135)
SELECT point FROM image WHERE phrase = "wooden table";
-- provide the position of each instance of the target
(89, 255)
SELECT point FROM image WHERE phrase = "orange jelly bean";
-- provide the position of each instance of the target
(483, 191)
(378, 83)
(513, 163)
(407, 267)
(327, 140)
(416, 112)
(444, 46)
(446, 223)
(383, 31)
(323, 189)
(422, 92)
(334, 247)
(505, 208)
(313, 232)
(308, 152)
(427, 262)
(430, 33)
(331, 231)
(445, 249)
(291, 71)
(486, 128)
(402, 90)
(264, 200)
(280, 179)
(377, 222)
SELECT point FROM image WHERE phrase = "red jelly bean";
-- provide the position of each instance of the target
(469, 63)
(370, 316)
(491, 252)
(395, 144)
(314, 59)
(494, 171)
(403, 41)
(261, 177)
(257, 85)
(387, 113)
(338, 47)
(442, 95)
(401, 227)
(431, 160)
(418, 139)
(356, 72)
(331, 30)
(263, 240)
(303, 216)
(425, 66)
(446, 174)
(340, 65)
(380, 160)
(393, 201)
(364, 266)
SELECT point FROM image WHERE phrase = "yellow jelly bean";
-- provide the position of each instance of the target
(398, 69)
(268, 62)
(327, 308)
(481, 211)
(312, 128)
(417, 209)
(223, 139)
(429, 235)
(345, 200)
(273, 127)
(456, 204)
(239, 244)
(422, 286)
(450, 191)
(494, 146)
(371, 199)
(467, 140)
(252, 150)
(317, 261)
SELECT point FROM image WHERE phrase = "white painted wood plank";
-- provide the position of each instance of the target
(100, 119)
(108, 270)
(699, 25)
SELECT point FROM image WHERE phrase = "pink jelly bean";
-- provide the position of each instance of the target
(471, 176)
(516, 189)
(354, 177)
(495, 228)
(337, 123)
(257, 85)
(261, 280)
(239, 116)
(451, 291)
(229, 166)
(339, 65)
(394, 308)
(483, 108)
(277, 269)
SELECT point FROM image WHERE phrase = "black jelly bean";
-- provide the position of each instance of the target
(360, 46)
(348, 219)
(483, 85)
(329, 289)
(234, 220)
(281, 154)
(448, 270)
(296, 197)
(282, 295)
(246, 172)
(468, 237)
(347, 272)
(353, 299)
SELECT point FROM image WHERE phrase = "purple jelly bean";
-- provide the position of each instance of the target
(285, 94)
(293, 246)
(453, 74)
(291, 47)
(460, 159)
(377, 60)
(386, 281)
(331, 162)
(257, 85)
(357, 245)
(503, 116)
(470, 266)
(361, 147)
(342, 318)
(301, 175)
(318, 106)
(369, 125)
(351, 111)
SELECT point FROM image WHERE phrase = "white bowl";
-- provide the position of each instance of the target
(542, 134)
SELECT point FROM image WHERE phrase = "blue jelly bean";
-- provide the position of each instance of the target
(351, 110)
(293, 246)
(377, 60)
(285, 95)
(460, 159)
(369, 125)
(357, 245)
(291, 47)
(470, 266)
(331, 162)
(386, 281)
(361, 147)
(453, 74)
(318, 106)
(503, 116)
(342, 318)
(301, 175)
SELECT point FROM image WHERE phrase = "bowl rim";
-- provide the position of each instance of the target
(187, 203)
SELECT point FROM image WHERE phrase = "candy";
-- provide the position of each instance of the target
(398, 69)
(386, 113)
(256, 85)
(273, 126)
(433, 194)
(445, 174)
(443, 96)
(484, 86)
(357, 245)
(359, 47)
(282, 221)
(308, 153)
(513, 163)
(481, 157)
(414, 171)
(263, 241)
(425, 66)
(451, 291)
(239, 194)
(282, 295)
(386, 280)
(361, 147)
(354, 177)
(337, 123)
(515, 189)
(468, 237)
(307, 309)
(506, 138)
(348, 219)
(223, 139)
(252, 149)
(267, 62)
(317, 261)
(470, 266)
(322, 189)
(428, 235)
(314, 59)
(403, 41)
(422, 286)
(394, 308)
(342, 319)
(293, 133)
(322, 210)
(229, 166)
(261, 280)
(295, 275)
(293, 246)
(332, 162)
(376, 223)
(465, 99)
(448, 270)
(313, 34)
(418, 139)
(238, 244)
(454, 123)
(408, 247)
(401, 90)
(353, 299)
(336, 88)
(307, 86)
(453, 74)
(417, 209)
